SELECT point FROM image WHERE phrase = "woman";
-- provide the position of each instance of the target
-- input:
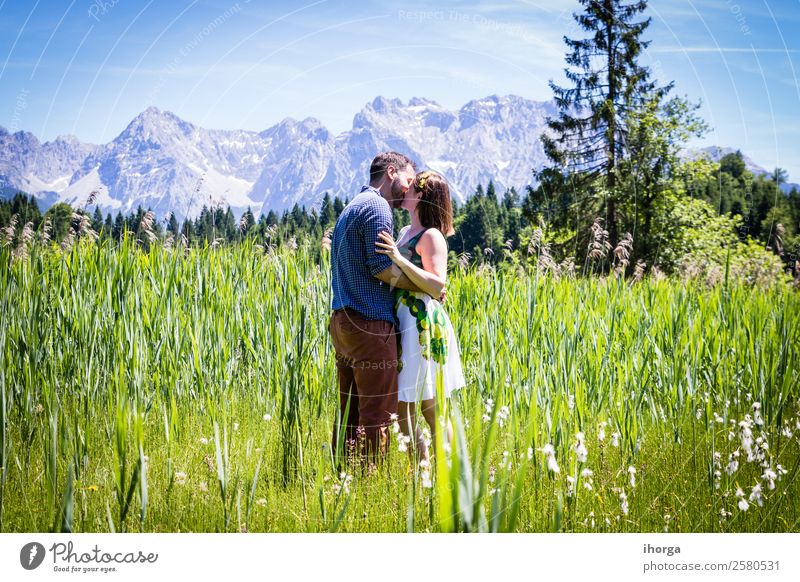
(428, 344)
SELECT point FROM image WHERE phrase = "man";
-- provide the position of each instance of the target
(363, 325)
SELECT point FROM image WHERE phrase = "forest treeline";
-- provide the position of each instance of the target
(712, 208)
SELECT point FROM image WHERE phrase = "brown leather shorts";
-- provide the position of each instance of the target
(366, 367)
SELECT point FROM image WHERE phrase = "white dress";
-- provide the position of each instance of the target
(429, 349)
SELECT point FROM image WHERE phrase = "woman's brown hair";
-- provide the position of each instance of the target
(434, 207)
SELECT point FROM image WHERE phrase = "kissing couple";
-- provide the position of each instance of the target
(393, 339)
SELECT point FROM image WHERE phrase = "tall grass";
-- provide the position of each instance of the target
(195, 390)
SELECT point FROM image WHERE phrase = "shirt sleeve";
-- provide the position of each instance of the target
(378, 218)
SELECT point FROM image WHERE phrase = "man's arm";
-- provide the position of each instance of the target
(394, 277)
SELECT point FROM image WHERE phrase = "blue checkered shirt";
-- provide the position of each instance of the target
(354, 262)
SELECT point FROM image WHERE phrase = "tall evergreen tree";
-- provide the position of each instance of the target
(588, 139)
(247, 222)
(338, 206)
(172, 225)
(119, 227)
(327, 215)
(97, 220)
(108, 226)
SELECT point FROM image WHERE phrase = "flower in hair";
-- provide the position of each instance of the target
(422, 178)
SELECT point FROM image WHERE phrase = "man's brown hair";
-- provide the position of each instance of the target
(385, 159)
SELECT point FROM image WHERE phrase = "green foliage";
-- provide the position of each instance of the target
(690, 229)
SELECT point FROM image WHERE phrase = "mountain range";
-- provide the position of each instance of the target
(165, 163)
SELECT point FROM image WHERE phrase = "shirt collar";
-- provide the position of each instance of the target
(375, 190)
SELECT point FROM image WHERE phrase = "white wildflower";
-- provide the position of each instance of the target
(550, 454)
(762, 447)
(344, 484)
(589, 521)
(733, 462)
(757, 414)
(586, 476)
(203, 487)
(743, 505)
(632, 476)
(426, 480)
(580, 448)
(203, 441)
(530, 453)
(488, 406)
(615, 439)
(425, 473)
(267, 417)
(426, 437)
(746, 437)
(180, 477)
(570, 485)
(769, 476)
(623, 502)
(403, 442)
(755, 495)
(601, 431)
(502, 415)
(261, 502)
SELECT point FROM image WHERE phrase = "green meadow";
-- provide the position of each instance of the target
(177, 390)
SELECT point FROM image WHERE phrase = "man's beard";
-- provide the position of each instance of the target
(398, 194)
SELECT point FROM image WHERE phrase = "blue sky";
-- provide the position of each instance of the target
(87, 67)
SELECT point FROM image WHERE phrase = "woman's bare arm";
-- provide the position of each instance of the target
(432, 248)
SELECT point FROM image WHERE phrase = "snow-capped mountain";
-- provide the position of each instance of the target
(42, 169)
(163, 162)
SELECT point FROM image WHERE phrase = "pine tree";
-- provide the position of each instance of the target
(172, 225)
(229, 225)
(247, 222)
(327, 212)
(119, 227)
(490, 191)
(588, 139)
(338, 206)
(108, 226)
(97, 220)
